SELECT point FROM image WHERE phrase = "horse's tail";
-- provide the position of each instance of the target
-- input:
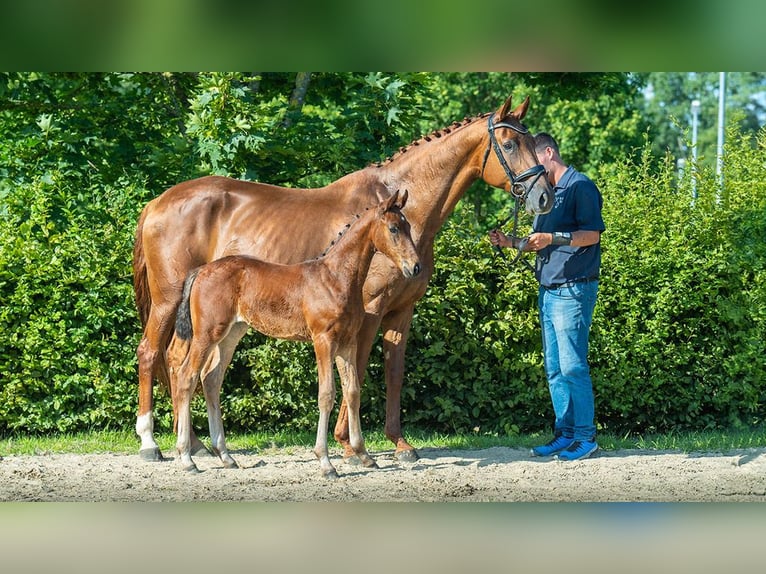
(140, 280)
(142, 294)
(184, 328)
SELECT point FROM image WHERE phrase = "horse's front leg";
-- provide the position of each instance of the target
(326, 400)
(346, 362)
(396, 329)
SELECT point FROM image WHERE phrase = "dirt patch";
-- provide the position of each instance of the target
(496, 475)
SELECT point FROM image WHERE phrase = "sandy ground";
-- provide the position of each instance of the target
(496, 474)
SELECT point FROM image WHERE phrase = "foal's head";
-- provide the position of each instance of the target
(391, 235)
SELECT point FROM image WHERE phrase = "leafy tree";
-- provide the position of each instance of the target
(667, 109)
(678, 333)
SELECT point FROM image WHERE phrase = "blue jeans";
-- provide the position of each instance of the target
(565, 317)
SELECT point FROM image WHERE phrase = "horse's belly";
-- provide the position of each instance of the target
(279, 327)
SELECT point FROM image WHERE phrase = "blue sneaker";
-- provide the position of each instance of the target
(558, 443)
(578, 450)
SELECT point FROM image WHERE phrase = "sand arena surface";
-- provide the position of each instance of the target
(497, 474)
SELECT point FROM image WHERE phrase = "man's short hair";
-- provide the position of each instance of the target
(544, 140)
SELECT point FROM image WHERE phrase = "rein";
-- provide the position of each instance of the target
(518, 189)
(520, 242)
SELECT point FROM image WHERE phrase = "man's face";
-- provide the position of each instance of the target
(544, 156)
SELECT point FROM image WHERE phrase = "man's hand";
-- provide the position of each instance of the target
(500, 239)
(538, 241)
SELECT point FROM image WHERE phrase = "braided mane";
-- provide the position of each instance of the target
(427, 138)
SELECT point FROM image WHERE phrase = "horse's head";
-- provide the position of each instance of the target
(510, 161)
(392, 235)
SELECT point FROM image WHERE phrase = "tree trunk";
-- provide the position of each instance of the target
(297, 98)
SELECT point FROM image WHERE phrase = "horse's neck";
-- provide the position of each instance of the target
(437, 174)
(352, 254)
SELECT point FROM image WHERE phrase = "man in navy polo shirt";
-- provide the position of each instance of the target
(567, 242)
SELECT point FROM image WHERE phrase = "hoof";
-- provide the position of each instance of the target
(192, 469)
(331, 475)
(231, 463)
(353, 460)
(406, 455)
(370, 463)
(201, 450)
(151, 454)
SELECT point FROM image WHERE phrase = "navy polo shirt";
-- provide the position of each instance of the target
(576, 206)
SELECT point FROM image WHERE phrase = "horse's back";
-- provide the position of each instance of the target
(210, 217)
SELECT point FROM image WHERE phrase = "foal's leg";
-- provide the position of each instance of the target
(186, 380)
(365, 339)
(212, 379)
(346, 362)
(326, 399)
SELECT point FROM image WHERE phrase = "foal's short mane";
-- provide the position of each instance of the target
(427, 138)
(342, 232)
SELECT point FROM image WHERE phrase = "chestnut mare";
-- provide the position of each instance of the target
(208, 218)
(319, 300)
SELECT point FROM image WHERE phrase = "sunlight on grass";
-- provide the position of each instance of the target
(126, 442)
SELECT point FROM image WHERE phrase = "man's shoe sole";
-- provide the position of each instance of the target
(581, 457)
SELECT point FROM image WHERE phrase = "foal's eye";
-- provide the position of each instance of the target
(394, 229)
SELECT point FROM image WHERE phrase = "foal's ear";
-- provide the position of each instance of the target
(518, 113)
(396, 201)
(403, 199)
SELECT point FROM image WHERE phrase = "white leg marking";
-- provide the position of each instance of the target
(145, 430)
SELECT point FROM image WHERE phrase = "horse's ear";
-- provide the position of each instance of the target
(503, 111)
(521, 109)
(518, 113)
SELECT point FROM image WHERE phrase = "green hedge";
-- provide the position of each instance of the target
(677, 342)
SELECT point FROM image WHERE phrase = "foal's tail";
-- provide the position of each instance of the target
(183, 316)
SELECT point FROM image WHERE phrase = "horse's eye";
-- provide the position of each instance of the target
(394, 229)
(509, 145)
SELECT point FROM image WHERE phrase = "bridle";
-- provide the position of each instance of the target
(519, 190)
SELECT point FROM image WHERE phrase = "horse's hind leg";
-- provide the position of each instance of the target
(212, 379)
(396, 329)
(150, 354)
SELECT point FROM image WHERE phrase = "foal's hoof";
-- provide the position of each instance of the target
(192, 469)
(201, 450)
(410, 455)
(331, 474)
(370, 463)
(231, 463)
(353, 460)
(151, 454)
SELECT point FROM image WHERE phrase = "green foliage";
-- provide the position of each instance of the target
(678, 334)
(476, 357)
(667, 109)
(67, 320)
(679, 328)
